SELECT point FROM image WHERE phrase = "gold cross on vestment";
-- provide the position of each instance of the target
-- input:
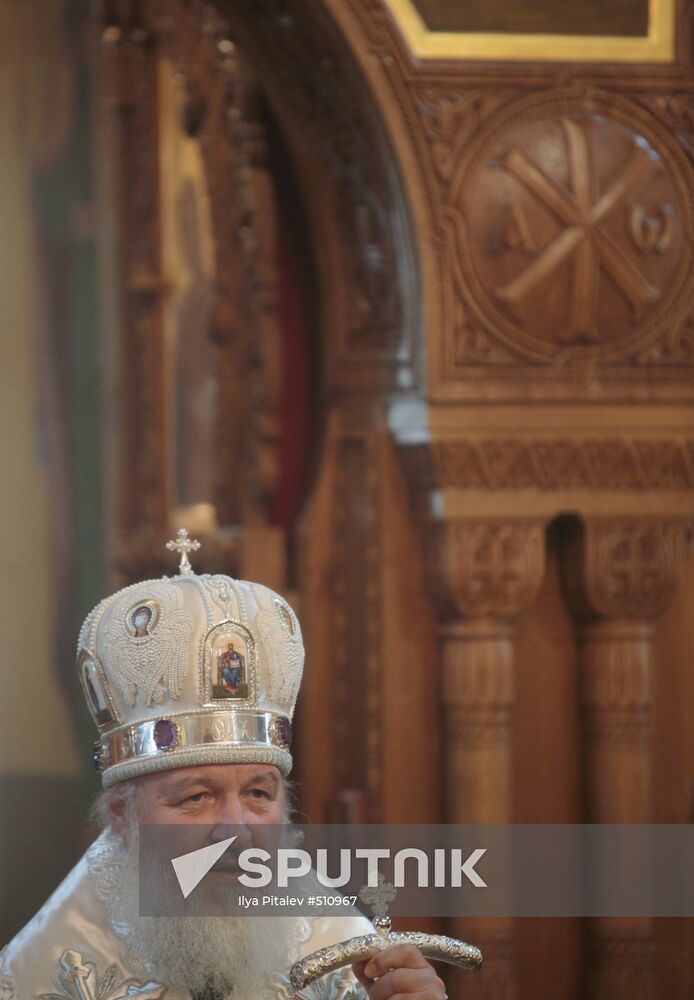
(378, 896)
(183, 544)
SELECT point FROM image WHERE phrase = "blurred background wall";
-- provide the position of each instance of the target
(50, 496)
(390, 303)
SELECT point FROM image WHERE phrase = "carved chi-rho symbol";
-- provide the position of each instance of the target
(584, 241)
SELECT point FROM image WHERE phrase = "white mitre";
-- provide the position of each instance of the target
(190, 670)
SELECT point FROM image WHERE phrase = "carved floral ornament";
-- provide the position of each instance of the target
(569, 217)
(622, 567)
(629, 567)
(490, 568)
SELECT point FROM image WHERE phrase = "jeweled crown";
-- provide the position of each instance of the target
(190, 670)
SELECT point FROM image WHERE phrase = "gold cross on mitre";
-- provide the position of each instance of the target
(183, 544)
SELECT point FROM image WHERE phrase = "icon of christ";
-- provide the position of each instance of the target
(231, 671)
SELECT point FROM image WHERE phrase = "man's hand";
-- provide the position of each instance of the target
(400, 970)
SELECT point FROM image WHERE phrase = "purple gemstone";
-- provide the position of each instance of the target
(285, 731)
(165, 734)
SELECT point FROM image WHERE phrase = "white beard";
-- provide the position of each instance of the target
(230, 954)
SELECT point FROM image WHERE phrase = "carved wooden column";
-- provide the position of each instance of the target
(623, 579)
(130, 89)
(492, 570)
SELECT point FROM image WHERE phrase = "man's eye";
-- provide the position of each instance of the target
(259, 793)
(195, 798)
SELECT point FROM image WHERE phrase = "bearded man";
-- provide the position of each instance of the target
(176, 747)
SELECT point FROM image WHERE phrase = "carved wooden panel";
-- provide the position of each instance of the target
(200, 368)
(524, 294)
(568, 216)
(593, 463)
(369, 725)
(359, 217)
(130, 80)
(571, 230)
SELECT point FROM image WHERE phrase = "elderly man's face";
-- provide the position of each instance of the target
(233, 794)
(199, 805)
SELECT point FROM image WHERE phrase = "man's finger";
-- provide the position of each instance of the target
(358, 970)
(406, 982)
(398, 956)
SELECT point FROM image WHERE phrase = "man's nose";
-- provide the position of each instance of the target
(231, 821)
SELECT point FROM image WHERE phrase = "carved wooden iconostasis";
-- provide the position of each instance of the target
(404, 329)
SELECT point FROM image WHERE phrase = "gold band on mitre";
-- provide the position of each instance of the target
(211, 737)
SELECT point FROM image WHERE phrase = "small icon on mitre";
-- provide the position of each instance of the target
(142, 618)
(231, 680)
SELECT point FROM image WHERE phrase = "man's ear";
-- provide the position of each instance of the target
(116, 812)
